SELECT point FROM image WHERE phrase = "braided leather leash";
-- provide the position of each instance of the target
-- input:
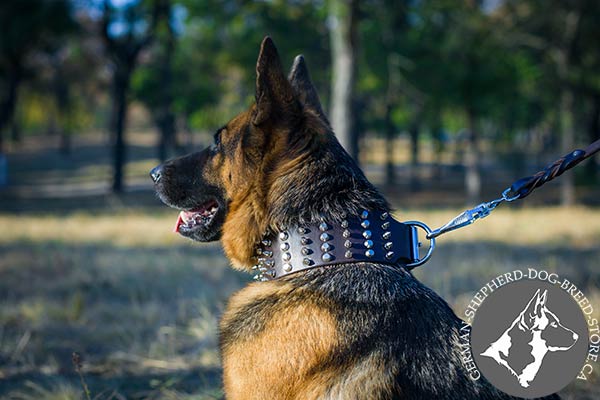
(519, 189)
(524, 186)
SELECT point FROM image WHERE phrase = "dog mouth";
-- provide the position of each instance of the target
(197, 219)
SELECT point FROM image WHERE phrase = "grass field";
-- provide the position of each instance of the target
(108, 279)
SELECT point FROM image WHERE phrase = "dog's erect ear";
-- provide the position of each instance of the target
(530, 311)
(540, 303)
(274, 94)
(300, 80)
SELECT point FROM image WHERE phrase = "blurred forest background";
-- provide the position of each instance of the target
(444, 103)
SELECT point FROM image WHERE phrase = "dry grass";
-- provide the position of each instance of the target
(141, 304)
(579, 226)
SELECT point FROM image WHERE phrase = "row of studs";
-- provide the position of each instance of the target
(265, 265)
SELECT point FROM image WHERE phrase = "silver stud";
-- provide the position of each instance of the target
(389, 254)
(386, 235)
(305, 251)
(384, 215)
(325, 237)
(305, 241)
(263, 269)
(266, 242)
(385, 225)
(263, 278)
(347, 244)
(283, 235)
(307, 261)
(259, 251)
(388, 245)
(346, 234)
(286, 256)
(269, 263)
(269, 273)
(301, 230)
(267, 253)
(326, 257)
(257, 277)
(365, 224)
(344, 224)
(364, 214)
(325, 247)
(287, 267)
(368, 244)
(284, 246)
(369, 253)
(348, 254)
(254, 267)
(323, 226)
(367, 234)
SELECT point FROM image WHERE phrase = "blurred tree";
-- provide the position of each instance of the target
(462, 65)
(126, 31)
(153, 84)
(27, 26)
(565, 42)
(343, 24)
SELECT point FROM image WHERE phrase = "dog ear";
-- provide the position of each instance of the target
(274, 94)
(529, 312)
(540, 302)
(535, 307)
(302, 84)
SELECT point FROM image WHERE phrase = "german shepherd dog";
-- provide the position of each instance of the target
(354, 331)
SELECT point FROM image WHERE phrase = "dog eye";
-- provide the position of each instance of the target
(554, 325)
(217, 139)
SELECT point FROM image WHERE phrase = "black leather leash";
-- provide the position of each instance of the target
(520, 189)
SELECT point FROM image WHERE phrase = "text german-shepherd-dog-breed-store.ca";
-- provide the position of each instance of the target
(335, 314)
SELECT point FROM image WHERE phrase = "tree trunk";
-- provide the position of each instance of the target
(438, 143)
(166, 118)
(567, 129)
(7, 107)
(472, 173)
(390, 166)
(119, 120)
(414, 130)
(15, 130)
(343, 25)
(592, 164)
(567, 132)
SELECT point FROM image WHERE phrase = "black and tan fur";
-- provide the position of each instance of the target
(355, 331)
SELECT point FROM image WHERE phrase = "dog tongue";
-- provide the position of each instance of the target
(182, 218)
(180, 221)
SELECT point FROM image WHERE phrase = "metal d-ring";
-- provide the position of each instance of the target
(431, 244)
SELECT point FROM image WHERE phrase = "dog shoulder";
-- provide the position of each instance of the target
(277, 326)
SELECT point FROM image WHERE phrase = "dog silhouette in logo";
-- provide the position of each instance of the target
(535, 332)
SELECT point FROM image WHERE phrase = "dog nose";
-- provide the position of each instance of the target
(575, 336)
(156, 173)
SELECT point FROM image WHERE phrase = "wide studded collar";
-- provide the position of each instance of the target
(372, 236)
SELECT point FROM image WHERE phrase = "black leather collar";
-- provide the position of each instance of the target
(373, 236)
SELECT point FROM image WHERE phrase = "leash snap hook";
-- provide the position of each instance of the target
(416, 244)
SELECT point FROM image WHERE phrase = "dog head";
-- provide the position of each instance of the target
(231, 189)
(537, 317)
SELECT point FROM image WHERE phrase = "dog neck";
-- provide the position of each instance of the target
(373, 237)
